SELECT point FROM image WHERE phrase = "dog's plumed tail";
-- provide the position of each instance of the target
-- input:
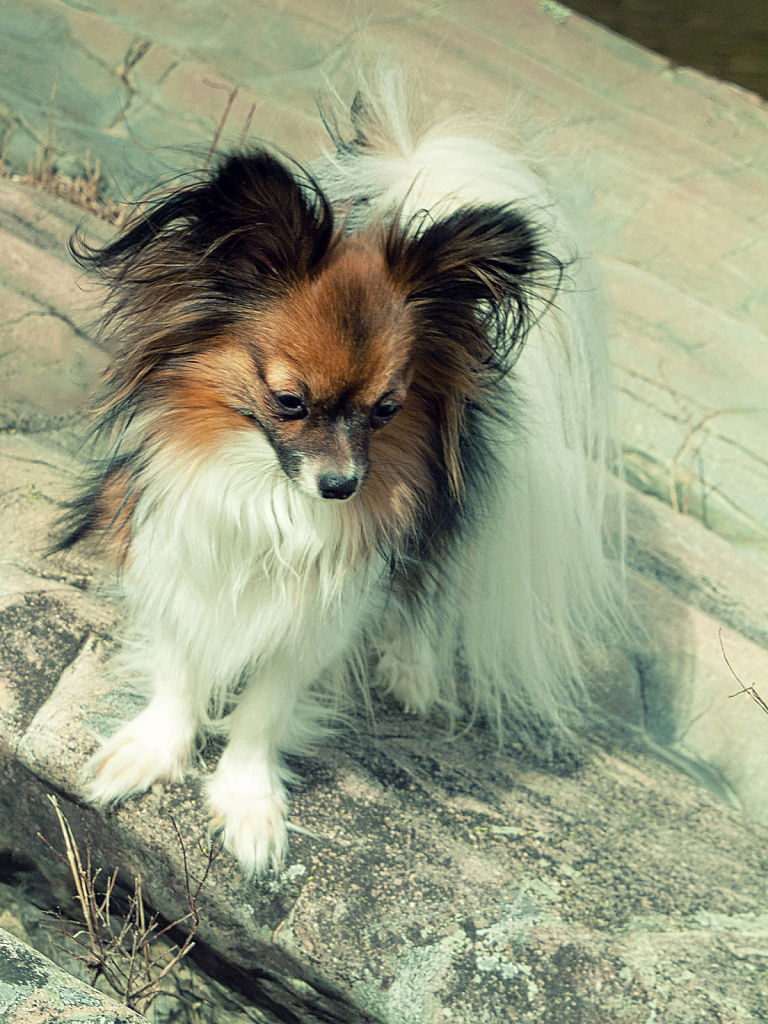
(534, 588)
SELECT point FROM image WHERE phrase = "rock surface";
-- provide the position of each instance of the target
(430, 881)
(666, 169)
(33, 990)
(430, 877)
(48, 362)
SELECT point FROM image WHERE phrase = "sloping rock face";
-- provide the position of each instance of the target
(428, 881)
(50, 363)
(665, 169)
(430, 877)
(32, 988)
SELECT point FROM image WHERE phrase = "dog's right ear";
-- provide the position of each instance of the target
(251, 216)
(200, 260)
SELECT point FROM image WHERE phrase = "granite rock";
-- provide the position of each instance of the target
(428, 881)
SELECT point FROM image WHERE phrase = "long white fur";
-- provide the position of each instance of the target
(238, 580)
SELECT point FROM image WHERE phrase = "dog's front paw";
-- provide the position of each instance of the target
(129, 763)
(252, 824)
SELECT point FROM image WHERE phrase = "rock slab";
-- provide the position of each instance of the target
(33, 990)
(429, 881)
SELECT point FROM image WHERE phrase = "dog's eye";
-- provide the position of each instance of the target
(383, 412)
(290, 406)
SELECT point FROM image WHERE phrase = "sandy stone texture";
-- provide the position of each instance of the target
(620, 880)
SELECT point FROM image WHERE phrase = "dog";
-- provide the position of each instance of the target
(358, 427)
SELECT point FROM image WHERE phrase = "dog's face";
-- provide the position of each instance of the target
(243, 306)
(318, 373)
(334, 369)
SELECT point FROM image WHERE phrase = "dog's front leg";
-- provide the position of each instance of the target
(247, 797)
(155, 746)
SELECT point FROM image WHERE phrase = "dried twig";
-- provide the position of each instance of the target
(744, 689)
(122, 948)
(688, 444)
(46, 170)
(247, 125)
(222, 122)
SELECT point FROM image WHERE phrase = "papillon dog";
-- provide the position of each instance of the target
(357, 427)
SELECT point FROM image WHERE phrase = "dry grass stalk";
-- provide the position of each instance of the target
(744, 689)
(82, 191)
(122, 947)
(222, 121)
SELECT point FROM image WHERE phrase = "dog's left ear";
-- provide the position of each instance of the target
(480, 277)
(275, 218)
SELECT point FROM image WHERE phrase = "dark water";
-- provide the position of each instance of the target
(724, 38)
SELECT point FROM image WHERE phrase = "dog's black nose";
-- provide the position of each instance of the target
(332, 486)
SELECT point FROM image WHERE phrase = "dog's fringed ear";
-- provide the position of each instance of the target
(280, 222)
(480, 277)
(253, 215)
(203, 257)
(476, 282)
